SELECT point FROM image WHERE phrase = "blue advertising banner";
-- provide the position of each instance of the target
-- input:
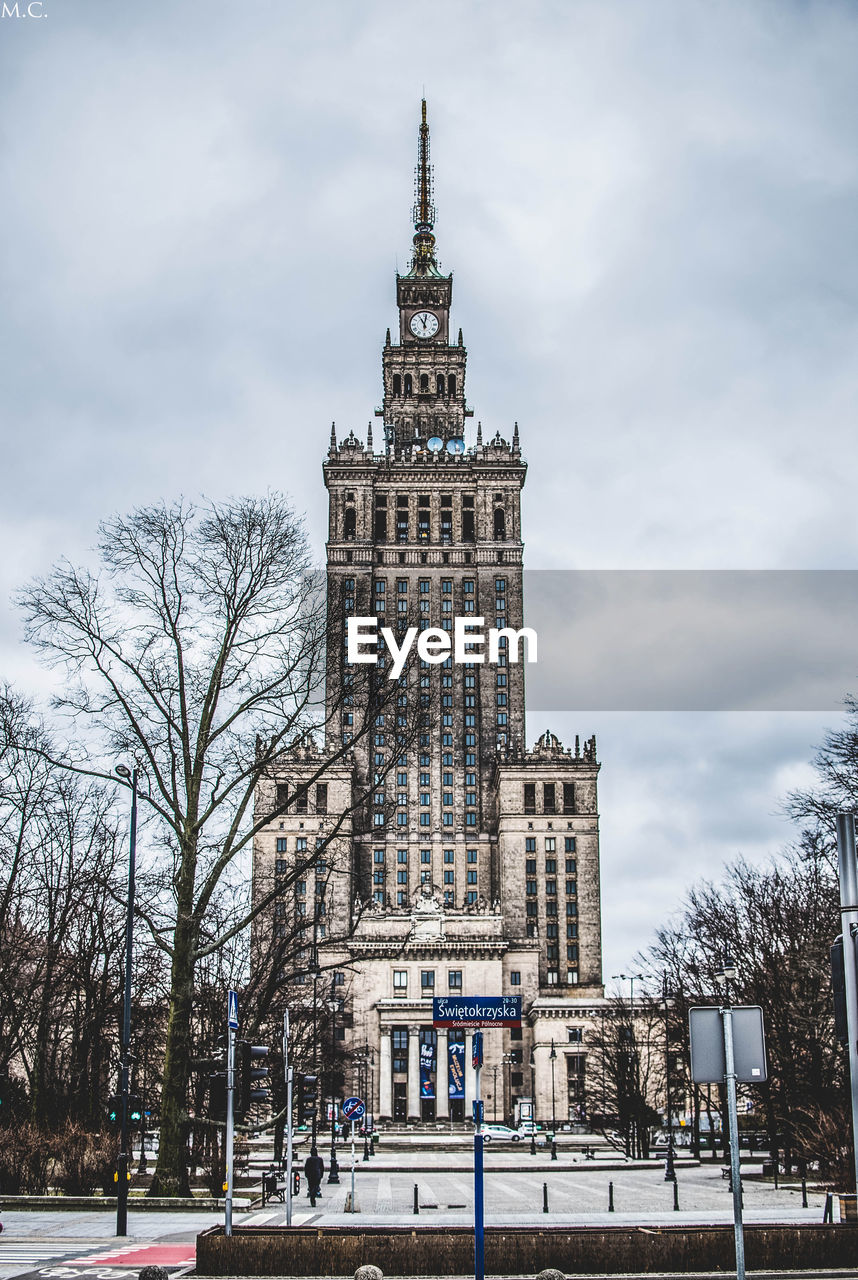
(456, 1070)
(476, 1011)
(427, 1065)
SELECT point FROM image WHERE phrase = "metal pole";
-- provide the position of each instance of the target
(230, 1126)
(479, 1207)
(553, 1106)
(353, 1168)
(849, 916)
(124, 1161)
(333, 1172)
(669, 1168)
(289, 1079)
(735, 1175)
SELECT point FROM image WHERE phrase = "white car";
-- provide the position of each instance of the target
(499, 1133)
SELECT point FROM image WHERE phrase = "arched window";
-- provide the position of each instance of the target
(500, 524)
(408, 384)
(424, 382)
(440, 384)
(350, 527)
(451, 384)
(397, 384)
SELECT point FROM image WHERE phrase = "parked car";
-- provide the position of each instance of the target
(500, 1133)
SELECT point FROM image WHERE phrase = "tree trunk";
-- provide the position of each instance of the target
(171, 1170)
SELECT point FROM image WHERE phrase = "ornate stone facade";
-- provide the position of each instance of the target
(473, 866)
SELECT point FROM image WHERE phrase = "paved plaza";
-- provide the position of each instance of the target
(58, 1245)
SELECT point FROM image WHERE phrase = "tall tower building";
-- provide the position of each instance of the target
(473, 866)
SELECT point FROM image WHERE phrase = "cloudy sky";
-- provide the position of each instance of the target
(649, 208)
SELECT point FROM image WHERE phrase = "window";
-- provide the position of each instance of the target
(322, 797)
(402, 876)
(530, 866)
(472, 876)
(530, 888)
(499, 524)
(280, 867)
(569, 844)
(281, 845)
(530, 844)
(301, 844)
(530, 797)
(449, 877)
(551, 886)
(401, 855)
(551, 866)
(548, 793)
(425, 855)
(550, 844)
(449, 855)
(378, 855)
(572, 887)
(515, 978)
(571, 908)
(400, 1048)
(472, 855)
(455, 979)
(552, 977)
(427, 979)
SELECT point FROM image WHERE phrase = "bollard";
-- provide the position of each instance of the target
(545, 1197)
(804, 1192)
(416, 1200)
(676, 1194)
(828, 1212)
(610, 1197)
(553, 1149)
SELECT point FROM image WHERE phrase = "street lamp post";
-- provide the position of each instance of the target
(632, 1075)
(533, 1100)
(333, 1005)
(124, 1160)
(506, 1061)
(669, 1166)
(553, 1057)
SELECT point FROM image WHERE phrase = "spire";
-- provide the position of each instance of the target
(516, 447)
(479, 433)
(333, 437)
(369, 436)
(423, 259)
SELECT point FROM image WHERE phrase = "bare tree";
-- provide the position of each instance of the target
(198, 649)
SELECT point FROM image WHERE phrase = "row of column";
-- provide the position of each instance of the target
(442, 1097)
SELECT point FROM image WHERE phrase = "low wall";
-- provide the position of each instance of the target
(519, 1251)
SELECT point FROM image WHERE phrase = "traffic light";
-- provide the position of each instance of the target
(114, 1111)
(838, 990)
(296, 1181)
(308, 1098)
(250, 1085)
(217, 1096)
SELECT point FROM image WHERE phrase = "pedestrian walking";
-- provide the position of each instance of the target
(314, 1170)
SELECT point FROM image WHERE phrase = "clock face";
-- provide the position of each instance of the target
(424, 324)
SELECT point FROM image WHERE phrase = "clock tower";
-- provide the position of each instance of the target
(453, 860)
(424, 376)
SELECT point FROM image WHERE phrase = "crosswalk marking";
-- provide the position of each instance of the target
(384, 1195)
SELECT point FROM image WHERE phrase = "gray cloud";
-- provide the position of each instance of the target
(649, 211)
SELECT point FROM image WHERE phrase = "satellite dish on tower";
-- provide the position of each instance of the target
(435, 444)
(456, 446)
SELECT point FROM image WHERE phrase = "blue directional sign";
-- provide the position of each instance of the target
(232, 1010)
(476, 1011)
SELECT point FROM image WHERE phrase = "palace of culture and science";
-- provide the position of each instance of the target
(473, 866)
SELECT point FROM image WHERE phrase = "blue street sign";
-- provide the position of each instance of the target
(232, 1010)
(478, 1111)
(476, 1011)
(353, 1108)
(477, 1052)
